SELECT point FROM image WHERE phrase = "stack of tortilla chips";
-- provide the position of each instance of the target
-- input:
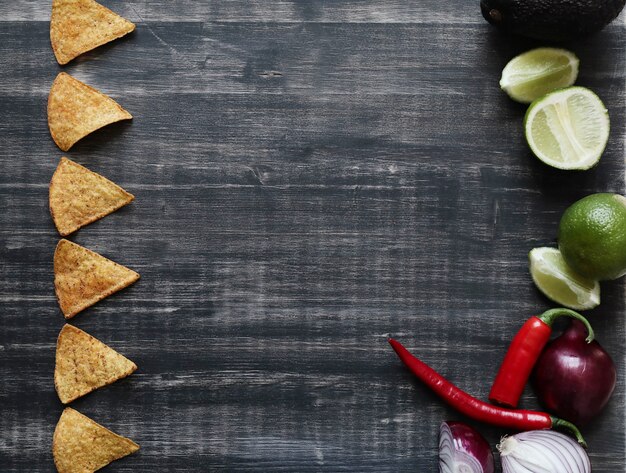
(82, 277)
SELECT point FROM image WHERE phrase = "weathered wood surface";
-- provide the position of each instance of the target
(310, 177)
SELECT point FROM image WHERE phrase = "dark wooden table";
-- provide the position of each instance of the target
(310, 176)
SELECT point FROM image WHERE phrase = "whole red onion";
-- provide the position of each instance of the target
(574, 379)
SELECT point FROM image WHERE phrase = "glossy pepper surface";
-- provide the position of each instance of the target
(476, 409)
(524, 352)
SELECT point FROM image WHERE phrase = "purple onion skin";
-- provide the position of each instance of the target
(574, 379)
(468, 440)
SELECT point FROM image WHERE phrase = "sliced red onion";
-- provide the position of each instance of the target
(463, 450)
(542, 451)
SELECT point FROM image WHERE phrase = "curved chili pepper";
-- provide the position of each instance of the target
(476, 409)
(524, 352)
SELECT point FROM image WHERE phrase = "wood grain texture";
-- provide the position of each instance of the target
(283, 11)
(310, 176)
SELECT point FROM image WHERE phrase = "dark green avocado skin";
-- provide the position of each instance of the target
(556, 20)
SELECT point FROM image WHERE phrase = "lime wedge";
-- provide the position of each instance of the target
(568, 128)
(539, 71)
(560, 283)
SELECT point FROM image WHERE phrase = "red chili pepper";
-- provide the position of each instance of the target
(476, 409)
(524, 352)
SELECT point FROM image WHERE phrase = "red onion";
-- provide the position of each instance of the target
(463, 450)
(574, 379)
(544, 451)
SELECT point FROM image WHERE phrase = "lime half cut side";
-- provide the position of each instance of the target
(568, 128)
(560, 283)
(535, 73)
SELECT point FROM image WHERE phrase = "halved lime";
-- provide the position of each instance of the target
(535, 73)
(568, 128)
(560, 283)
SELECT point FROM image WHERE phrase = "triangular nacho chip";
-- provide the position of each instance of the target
(84, 364)
(76, 110)
(78, 26)
(83, 277)
(80, 445)
(79, 196)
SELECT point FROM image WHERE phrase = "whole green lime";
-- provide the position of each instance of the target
(592, 236)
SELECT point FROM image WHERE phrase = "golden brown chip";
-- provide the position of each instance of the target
(75, 110)
(79, 196)
(83, 277)
(78, 26)
(80, 445)
(84, 364)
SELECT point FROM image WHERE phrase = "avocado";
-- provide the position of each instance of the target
(557, 20)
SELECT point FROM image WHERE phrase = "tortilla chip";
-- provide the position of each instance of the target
(84, 364)
(79, 197)
(83, 277)
(80, 445)
(76, 110)
(78, 26)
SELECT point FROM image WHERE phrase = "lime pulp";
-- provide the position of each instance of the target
(537, 72)
(568, 128)
(559, 283)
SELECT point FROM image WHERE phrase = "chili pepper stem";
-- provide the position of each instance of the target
(565, 425)
(549, 316)
(474, 408)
